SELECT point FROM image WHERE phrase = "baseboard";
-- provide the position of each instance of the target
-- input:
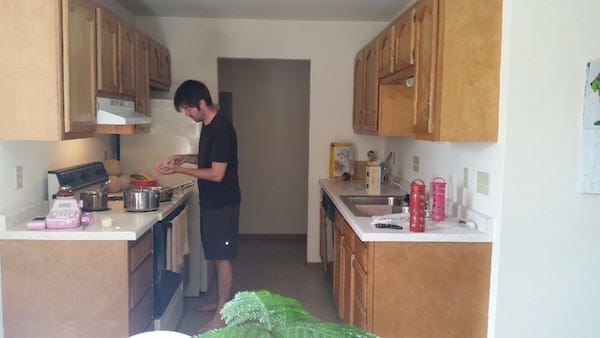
(286, 237)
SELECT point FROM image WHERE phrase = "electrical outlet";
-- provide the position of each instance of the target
(466, 178)
(416, 161)
(19, 176)
(483, 183)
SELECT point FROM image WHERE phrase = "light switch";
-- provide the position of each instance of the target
(416, 161)
(19, 177)
(483, 183)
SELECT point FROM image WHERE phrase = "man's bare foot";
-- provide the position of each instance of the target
(210, 307)
(215, 323)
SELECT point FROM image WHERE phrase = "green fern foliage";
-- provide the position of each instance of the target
(261, 314)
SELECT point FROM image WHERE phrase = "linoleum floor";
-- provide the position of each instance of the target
(276, 265)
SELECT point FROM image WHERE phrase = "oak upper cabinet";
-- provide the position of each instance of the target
(48, 82)
(426, 36)
(142, 78)
(457, 70)
(381, 108)
(385, 51)
(358, 110)
(160, 66)
(371, 89)
(116, 55)
(366, 90)
(404, 41)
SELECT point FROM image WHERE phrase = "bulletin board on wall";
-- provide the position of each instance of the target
(589, 163)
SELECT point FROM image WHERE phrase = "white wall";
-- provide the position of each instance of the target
(195, 44)
(36, 158)
(549, 283)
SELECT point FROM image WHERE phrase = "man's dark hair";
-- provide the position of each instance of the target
(189, 93)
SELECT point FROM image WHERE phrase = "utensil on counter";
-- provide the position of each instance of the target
(141, 199)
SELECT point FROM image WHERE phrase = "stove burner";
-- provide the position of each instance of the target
(115, 198)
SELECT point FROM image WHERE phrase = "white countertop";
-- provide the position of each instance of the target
(125, 225)
(447, 231)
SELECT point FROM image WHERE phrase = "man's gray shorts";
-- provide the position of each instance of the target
(219, 229)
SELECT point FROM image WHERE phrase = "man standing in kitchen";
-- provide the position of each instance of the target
(216, 168)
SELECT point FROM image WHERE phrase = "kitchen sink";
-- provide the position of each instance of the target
(367, 206)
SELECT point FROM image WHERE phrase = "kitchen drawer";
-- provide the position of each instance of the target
(140, 282)
(360, 282)
(348, 234)
(339, 220)
(361, 252)
(141, 315)
(141, 249)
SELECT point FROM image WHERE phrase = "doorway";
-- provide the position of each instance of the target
(269, 104)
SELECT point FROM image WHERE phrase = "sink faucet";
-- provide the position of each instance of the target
(385, 169)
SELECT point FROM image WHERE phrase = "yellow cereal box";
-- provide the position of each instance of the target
(341, 158)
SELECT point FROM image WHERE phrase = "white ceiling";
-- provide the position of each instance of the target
(348, 10)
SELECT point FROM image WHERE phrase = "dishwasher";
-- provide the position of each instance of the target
(329, 209)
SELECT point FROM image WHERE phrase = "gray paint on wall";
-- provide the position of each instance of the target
(270, 108)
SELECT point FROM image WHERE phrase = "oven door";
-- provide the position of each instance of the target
(165, 282)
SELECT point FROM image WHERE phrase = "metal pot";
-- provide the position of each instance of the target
(141, 199)
(94, 200)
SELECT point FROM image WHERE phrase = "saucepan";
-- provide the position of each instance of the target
(94, 199)
(141, 199)
(166, 193)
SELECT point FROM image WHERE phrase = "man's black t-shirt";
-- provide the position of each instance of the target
(218, 143)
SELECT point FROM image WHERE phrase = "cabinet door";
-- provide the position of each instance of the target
(79, 38)
(426, 48)
(107, 51)
(359, 91)
(160, 66)
(404, 41)
(126, 70)
(385, 51)
(371, 89)
(164, 72)
(142, 85)
(347, 289)
(359, 308)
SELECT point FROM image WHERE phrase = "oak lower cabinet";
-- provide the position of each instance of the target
(59, 288)
(48, 67)
(412, 289)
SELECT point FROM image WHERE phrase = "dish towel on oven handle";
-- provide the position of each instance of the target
(178, 242)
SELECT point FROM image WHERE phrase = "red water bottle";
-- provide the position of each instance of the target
(416, 206)
(438, 199)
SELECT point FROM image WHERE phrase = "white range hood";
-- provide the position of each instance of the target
(119, 112)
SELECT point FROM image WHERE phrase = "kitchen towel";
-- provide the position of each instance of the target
(179, 241)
